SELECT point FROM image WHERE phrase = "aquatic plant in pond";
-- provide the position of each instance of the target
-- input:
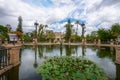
(70, 68)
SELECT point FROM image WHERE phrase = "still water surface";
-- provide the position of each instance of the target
(33, 56)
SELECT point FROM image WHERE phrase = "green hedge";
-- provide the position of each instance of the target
(70, 68)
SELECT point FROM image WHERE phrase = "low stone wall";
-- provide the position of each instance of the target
(117, 55)
(14, 55)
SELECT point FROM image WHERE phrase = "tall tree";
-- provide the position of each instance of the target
(3, 32)
(9, 27)
(104, 34)
(68, 30)
(115, 29)
(19, 28)
(41, 31)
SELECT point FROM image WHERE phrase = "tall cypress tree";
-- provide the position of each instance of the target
(19, 28)
(68, 30)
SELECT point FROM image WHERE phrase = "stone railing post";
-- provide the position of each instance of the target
(111, 42)
(99, 42)
(117, 55)
(19, 42)
(95, 42)
(6, 43)
(83, 41)
(35, 41)
(15, 55)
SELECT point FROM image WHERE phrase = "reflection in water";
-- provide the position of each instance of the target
(35, 62)
(49, 48)
(68, 50)
(117, 71)
(12, 74)
(40, 51)
(60, 50)
(83, 50)
(104, 52)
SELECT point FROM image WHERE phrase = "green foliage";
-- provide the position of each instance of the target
(27, 37)
(104, 34)
(3, 32)
(115, 29)
(70, 68)
(41, 36)
(50, 35)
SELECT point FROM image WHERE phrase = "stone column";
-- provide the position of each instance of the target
(83, 41)
(95, 42)
(15, 55)
(35, 41)
(19, 42)
(117, 55)
(111, 42)
(99, 42)
(6, 43)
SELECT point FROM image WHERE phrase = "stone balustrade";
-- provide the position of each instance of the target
(118, 55)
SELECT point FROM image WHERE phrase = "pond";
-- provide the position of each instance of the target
(33, 56)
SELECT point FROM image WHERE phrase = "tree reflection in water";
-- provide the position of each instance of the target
(104, 52)
(35, 62)
(40, 51)
(83, 50)
(61, 50)
(68, 50)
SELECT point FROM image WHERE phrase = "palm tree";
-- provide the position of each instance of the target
(41, 30)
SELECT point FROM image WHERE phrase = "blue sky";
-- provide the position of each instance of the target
(94, 13)
(40, 3)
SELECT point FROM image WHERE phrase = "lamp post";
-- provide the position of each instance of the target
(36, 24)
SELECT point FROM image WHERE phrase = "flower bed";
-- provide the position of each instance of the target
(70, 68)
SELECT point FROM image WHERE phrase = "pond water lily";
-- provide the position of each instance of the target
(70, 68)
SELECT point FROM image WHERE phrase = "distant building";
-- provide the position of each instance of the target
(13, 37)
(58, 36)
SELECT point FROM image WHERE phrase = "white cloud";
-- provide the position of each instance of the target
(92, 11)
